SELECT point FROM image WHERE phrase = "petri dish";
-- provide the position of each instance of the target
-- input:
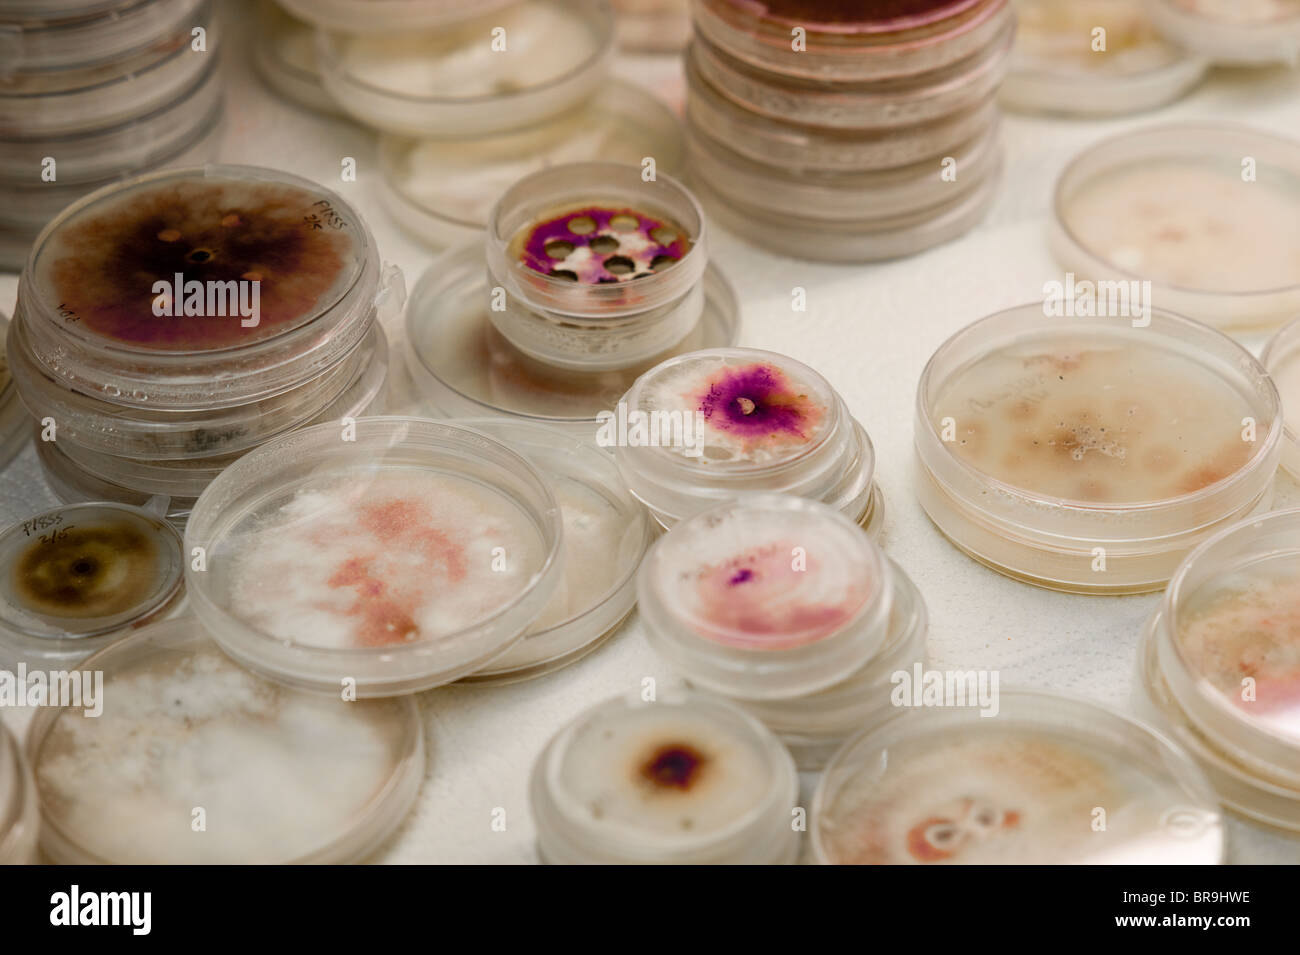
(1235, 32)
(1281, 357)
(705, 427)
(73, 578)
(498, 71)
(464, 367)
(19, 815)
(279, 279)
(41, 37)
(845, 44)
(686, 779)
(1204, 212)
(766, 598)
(285, 56)
(1062, 65)
(1219, 663)
(442, 190)
(414, 553)
(14, 424)
(369, 16)
(606, 532)
(1091, 453)
(1047, 780)
(194, 760)
(74, 485)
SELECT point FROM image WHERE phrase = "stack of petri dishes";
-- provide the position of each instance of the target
(785, 607)
(168, 325)
(841, 135)
(95, 92)
(14, 426)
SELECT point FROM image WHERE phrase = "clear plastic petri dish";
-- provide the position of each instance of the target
(464, 368)
(43, 38)
(1281, 357)
(840, 43)
(1204, 212)
(1219, 663)
(1063, 65)
(1235, 32)
(442, 190)
(867, 240)
(1091, 454)
(1047, 780)
(19, 811)
(802, 147)
(279, 278)
(14, 424)
(606, 532)
(841, 195)
(284, 53)
(196, 760)
(708, 426)
(814, 726)
(388, 554)
(371, 16)
(495, 72)
(73, 578)
(874, 104)
(74, 485)
(766, 598)
(173, 438)
(686, 779)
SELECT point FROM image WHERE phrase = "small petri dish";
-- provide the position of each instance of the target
(1204, 212)
(284, 53)
(377, 16)
(19, 812)
(842, 43)
(1091, 454)
(465, 368)
(279, 279)
(73, 578)
(686, 779)
(874, 104)
(442, 190)
(194, 760)
(388, 554)
(1047, 780)
(802, 147)
(1219, 663)
(766, 598)
(705, 427)
(1063, 65)
(839, 195)
(814, 726)
(495, 72)
(606, 532)
(41, 37)
(1282, 359)
(14, 423)
(1234, 32)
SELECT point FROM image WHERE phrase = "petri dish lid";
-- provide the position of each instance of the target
(19, 816)
(1056, 66)
(768, 597)
(1281, 357)
(442, 190)
(99, 331)
(390, 554)
(1047, 780)
(1204, 211)
(687, 778)
(80, 571)
(606, 532)
(496, 72)
(465, 368)
(37, 36)
(1242, 32)
(196, 760)
(377, 16)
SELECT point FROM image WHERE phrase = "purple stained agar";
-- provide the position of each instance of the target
(596, 245)
(758, 401)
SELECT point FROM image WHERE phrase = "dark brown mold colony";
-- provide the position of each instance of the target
(87, 571)
(675, 767)
(104, 262)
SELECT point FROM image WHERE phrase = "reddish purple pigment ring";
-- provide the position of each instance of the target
(850, 16)
(758, 401)
(292, 242)
(597, 245)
